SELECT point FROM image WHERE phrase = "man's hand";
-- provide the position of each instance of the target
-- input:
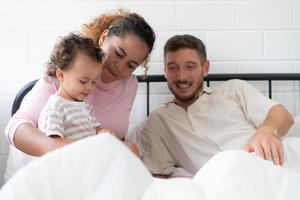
(266, 144)
(266, 141)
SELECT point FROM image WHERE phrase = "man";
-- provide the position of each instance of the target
(179, 138)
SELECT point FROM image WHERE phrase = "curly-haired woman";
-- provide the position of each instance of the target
(126, 40)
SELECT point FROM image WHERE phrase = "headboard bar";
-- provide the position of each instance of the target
(160, 78)
(224, 77)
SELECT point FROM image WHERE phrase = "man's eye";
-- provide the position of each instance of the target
(171, 67)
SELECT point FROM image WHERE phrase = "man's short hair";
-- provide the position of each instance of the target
(178, 42)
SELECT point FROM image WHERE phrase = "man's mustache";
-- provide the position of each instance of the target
(183, 82)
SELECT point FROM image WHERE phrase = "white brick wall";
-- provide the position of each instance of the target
(235, 45)
(206, 15)
(242, 36)
(282, 45)
(265, 15)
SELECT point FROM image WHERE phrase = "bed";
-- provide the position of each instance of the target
(101, 167)
(118, 174)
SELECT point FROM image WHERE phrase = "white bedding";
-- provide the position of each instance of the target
(101, 167)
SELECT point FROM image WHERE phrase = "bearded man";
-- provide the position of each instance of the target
(179, 138)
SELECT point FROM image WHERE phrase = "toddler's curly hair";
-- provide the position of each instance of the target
(66, 50)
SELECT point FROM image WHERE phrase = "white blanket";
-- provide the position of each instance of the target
(101, 167)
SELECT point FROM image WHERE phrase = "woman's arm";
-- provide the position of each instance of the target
(32, 141)
(21, 129)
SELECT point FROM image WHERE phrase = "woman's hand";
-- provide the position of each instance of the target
(32, 141)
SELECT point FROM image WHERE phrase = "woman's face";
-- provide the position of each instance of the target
(122, 56)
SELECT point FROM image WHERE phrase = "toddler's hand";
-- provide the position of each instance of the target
(133, 147)
(105, 130)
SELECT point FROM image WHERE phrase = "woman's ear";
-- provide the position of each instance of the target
(59, 74)
(103, 37)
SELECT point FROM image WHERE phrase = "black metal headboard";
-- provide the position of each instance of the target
(224, 77)
(160, 78)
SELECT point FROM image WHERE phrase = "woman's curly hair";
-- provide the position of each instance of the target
(119, 23)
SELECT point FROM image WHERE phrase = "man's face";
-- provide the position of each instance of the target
(184, 73)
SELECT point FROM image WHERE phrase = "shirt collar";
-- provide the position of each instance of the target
(206, 90)
(107, 86)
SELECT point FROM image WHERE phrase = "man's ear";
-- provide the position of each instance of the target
(59, 74)
(103, 37)
(206, 66)
(165, 71)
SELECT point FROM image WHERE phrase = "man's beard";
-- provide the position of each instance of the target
(189, 98)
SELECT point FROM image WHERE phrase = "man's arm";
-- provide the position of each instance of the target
(266, 141)
(155, 154)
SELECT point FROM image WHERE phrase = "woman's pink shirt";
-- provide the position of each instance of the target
(111, 102)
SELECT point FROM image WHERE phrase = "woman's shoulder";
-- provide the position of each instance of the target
(131, 81)
(44, 85)
(42, 90)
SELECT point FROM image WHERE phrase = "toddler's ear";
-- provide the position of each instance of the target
(59, 74)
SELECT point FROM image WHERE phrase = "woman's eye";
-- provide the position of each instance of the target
(131, 66)
(119, 54)
(83, 82)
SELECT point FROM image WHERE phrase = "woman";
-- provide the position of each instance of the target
(127, 40)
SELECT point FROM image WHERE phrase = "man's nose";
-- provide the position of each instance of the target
(181, 75)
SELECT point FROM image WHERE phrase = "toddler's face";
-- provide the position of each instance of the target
(80, 79)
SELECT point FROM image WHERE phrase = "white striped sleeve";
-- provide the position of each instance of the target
(54, 123)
